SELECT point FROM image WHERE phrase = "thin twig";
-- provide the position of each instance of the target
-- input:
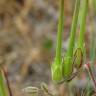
(8, 84)
(88, 68)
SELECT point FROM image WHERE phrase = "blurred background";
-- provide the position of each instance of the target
(28, 31)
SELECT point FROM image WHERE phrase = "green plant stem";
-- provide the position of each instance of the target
(68, 64)
(94, 4)
(80, 52)
(56, 67)
(59, 34)
(73, 29)
(83, 22)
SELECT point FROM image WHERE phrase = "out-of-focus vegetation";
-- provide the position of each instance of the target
(28, 32)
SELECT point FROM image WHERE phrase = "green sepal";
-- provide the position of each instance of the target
(56, 69)
(78, 58)
(67, 67)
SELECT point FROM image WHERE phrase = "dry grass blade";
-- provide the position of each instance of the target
(46, 90)
(31, 90)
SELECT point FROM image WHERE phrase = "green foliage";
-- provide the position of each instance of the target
(63, 69)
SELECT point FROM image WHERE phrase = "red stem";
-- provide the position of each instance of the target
(87, 66)
(8, 84)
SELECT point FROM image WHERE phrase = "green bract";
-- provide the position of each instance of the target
(78, 58)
